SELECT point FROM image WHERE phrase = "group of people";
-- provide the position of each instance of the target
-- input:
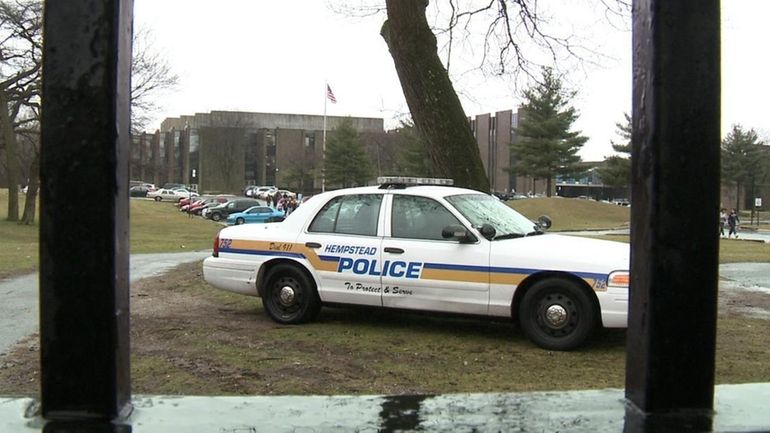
(285, 203)
(731, 220)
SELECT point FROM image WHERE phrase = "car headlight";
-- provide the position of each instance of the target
(618, 279)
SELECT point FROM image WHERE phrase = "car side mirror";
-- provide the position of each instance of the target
(544, 222)
(458, 233)
(488, 231)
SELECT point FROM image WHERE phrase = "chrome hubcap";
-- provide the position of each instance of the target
(556, 316)
(287, 295)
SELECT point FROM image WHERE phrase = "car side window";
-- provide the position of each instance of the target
(416, 217)
(350, 214)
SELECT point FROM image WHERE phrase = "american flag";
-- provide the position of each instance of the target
(330, 94)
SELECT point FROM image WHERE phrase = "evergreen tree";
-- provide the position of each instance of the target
(743, 159)
(616, 171)
(346, 162)
(546, 147)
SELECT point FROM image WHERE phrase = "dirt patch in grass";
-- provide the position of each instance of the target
(189, 338)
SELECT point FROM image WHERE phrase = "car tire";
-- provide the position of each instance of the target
(158, 198)
(290, 295)
(239, 221)
(557, 314)
(216, 216)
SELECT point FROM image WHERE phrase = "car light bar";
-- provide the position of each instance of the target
(401, 180)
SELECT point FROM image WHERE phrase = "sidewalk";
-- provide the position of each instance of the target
(19, 306)
(760, 235)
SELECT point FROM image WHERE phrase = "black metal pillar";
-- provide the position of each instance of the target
(675, 189)
(84, 299)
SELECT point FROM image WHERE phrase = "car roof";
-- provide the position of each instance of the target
(426, 190)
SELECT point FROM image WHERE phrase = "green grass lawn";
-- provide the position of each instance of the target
(574, 214)
(155, 227)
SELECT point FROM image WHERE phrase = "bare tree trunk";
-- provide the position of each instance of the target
(9, 137)
(29, 206)
(435, 107)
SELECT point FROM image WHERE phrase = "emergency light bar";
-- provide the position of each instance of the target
(385, 181)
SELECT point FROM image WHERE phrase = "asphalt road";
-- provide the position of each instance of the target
(18, 296)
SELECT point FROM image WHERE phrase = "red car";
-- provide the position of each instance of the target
(197, 207)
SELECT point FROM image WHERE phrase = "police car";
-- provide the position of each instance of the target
(422, 244)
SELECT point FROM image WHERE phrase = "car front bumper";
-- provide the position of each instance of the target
(614, 306)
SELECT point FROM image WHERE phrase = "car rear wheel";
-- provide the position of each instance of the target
(239, 221)
(290, 296)
(557, 314)
(158, 198)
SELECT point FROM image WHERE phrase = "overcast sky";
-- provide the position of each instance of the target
(275, 56)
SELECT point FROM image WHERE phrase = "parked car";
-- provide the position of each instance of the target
(264, 192)
(621, 202)
(259, 192)
(138, 191)
(170, 194)
(287, 193)
(220, 212)
(256, 214)
(199, 205)
(249, 190)
(141, 183)
(174, 186)
(406, 245)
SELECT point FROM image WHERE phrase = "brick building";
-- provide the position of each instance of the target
(222, 151)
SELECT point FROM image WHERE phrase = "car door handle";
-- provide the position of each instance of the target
(312, 245)
(394, 250)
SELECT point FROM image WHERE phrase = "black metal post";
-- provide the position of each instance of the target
(84, 299)
(675, 186)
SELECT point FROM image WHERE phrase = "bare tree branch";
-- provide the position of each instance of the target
(151, 75)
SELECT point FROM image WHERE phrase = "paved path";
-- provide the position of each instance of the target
(746, 235)
(18, 296)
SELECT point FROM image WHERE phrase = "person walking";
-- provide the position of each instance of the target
(722, 221)
(732, 222)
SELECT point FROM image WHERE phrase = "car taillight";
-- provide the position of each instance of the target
(216, 246)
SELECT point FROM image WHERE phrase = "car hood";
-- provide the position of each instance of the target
(553, 251)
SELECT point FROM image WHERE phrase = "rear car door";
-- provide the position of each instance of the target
(343, 246)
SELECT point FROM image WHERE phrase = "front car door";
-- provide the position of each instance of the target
(421, 269)
(344, 249)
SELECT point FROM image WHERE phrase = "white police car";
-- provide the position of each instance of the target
(412, 246)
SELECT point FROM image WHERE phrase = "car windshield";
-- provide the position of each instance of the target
(482, 209)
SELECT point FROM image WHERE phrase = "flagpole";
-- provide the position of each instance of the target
(323, 156)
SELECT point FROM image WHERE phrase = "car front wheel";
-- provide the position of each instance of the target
(557, 314)
(158, 198)
(239, 221)
(290, 296)
(216, 217)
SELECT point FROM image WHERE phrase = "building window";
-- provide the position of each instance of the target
(310, 140)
